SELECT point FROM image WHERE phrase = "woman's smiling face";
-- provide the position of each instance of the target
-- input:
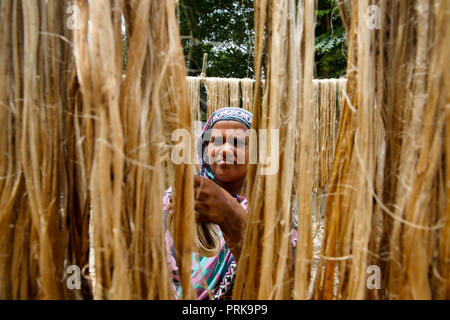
(228, 150)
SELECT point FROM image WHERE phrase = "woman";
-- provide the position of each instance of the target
(220, 199)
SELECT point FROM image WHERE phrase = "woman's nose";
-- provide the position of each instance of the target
(228, 152)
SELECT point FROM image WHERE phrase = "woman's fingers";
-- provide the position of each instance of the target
(198, 181)
(200, 205)
(200, 217)
(201, 182)
(200, 191)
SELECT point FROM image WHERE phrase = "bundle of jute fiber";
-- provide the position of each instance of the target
(212, 95)
(240, 92)
(218, 95)
(328, 98)
(317, 129)
(10, 167)
(132, 118)
(385, 209)
(326, 116)
(304, 152)
(221, 92)
(265, 264)
(419, 239)
(194, 84)
(247, 94)
(36, 71)
(316, 126)
(327, 128)
(235, 93)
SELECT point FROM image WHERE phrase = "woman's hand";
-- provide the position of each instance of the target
(214, 204)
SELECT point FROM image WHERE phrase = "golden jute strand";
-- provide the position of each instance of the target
(135, 119)
(431, 93)
(316, 126)
(145, 174)
(212, 95)
(223, 94)
(443, 291)
(251, 244)
(111, 264)
(415, 217)
(338, 219)
(217, 94)
(84, 133)
(364, 159)
(328, 117)
(246, 285)
(412, 111)
(264, 270)
(444, 243)
(10, 165)
(305, 149)
(235, 93)
(84, 128)
(38, 245)
(383, 206)
(177, 104)
(194, 96)
(247, 94)
(326, 94)
(35, 116)
(43, 138)
(317, 137)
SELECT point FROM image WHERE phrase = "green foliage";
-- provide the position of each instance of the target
(330, 42)
(224, 30)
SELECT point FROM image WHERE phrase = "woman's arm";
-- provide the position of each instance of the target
(214, 204)
(233, 228)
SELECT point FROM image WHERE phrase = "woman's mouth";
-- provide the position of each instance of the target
(224, 163)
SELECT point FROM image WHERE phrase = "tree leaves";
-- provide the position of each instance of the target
(224, 30)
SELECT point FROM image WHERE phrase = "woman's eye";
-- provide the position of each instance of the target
(239, 142)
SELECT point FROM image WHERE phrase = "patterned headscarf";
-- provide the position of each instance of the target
(235, 114)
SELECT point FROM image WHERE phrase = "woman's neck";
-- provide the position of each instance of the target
(235, 187)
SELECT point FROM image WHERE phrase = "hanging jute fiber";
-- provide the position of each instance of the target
(86, 153)
(304, 177)
(194, 84)
(217, 94)
(235, 93)
(247, 94)
(38, 234)
(212, 96)
(265, 265)
(385, 208)
(82, 139)
(134, 119)
(326, 120)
